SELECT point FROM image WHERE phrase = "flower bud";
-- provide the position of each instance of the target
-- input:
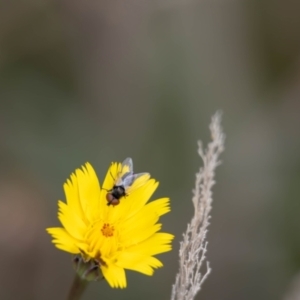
(87, 270)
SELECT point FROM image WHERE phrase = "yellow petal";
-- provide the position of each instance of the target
(89, 191)
(138, 262)
(139, 197)
(142, 225)
(68, 223)
(129, 239)
(110, 177)
(75, 221)
(63, 240)
(158, 243)
(72, 196)
(133, 203)
(160, 206)
(147, 216)
(114, 275)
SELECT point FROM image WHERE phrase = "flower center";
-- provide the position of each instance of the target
(107, 230)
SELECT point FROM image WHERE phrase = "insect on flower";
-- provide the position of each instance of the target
(107, 242)
(124, 183)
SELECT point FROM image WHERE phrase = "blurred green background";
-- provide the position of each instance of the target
(99, 81)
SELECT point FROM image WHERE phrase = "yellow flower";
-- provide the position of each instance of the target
(125, 236)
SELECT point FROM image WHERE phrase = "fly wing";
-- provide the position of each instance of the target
(134, 181)
(127, 165)
(125, 171)
(128, 180)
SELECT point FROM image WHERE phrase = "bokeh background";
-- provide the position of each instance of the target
(102, 80)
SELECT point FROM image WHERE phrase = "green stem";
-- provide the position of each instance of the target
(77, 288)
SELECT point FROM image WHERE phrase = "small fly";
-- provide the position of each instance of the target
(123, 183)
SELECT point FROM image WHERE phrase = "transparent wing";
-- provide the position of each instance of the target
(134, 181)
(125, 170)
(128, 165)
(128, 179)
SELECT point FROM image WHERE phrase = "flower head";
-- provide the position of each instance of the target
(125, 236)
